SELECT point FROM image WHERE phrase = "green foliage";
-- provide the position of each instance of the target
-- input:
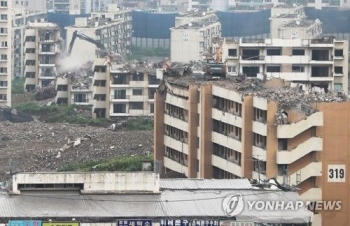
(17, 86)
(138, 124)
(137, 53)
(132, 163)
(59, 113)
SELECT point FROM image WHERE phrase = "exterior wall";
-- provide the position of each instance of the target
(336, 143)
(37, 5)
(43, 62)
(286, 60)
(5, 52)
(93, 182)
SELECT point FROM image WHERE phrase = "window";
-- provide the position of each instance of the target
(231, 69)
(3, 30)
(3, 70)
(4, 44)
(30, 50)
(232, 52)
(137, 92)
(3, 83)
(338, 70)
(259, 141)
(3, 17)
(3, 97)
(3, 3)
(62, 88)
(30, 62)
(298, 52)
(260, 115)
(282, 169)
(3, 57)
(297, 68)
(136, 105)
(338, 87)
(273, 52)
(273, 69)
(338, 53)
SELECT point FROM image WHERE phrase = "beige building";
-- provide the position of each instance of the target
(319, 62)
(42, 45)
(192, 36)
(5, 52)
(123, 90)
(236, 128)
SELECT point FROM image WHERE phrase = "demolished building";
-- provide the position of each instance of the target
(242, 127)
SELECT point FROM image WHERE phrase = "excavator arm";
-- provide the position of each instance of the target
(77, 34)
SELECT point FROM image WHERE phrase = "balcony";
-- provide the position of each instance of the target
(99, 89)
(289, 59)
(138, 98)
(321, 62)
(313, 169)
(30, 45)
(323, 79)
(30, 81)
(177, 101)
(226, 141)
(99, 76)
(259, 128)
(47, 64)
(252, 60)
(120, 99)
(227, 117)
(338, 74)
(175, 144)
(47, 76)
(226, 165)
(293, 129)
(338, 57)
(259, 153)
(81, 101)
(137, 112)
(138, 84)
(61, 94)
(175, 122)
(306, 147)
(312, 194)
(175, 166)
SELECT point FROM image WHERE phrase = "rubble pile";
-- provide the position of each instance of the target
(44, 93)
(12, 115)
(81, 78)
(34, 146)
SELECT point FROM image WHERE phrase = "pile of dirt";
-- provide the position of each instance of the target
(36, 146)
(12, 115)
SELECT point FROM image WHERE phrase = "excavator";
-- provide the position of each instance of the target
(81, 35)
(214, 68)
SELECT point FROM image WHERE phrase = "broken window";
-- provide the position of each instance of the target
(298, 52)
(232, 52)
(136, 105)
(282, 169)
(338, 70)
(273, 68)
(251, 71)
(227, 129)
(137, 77)
(298, 68)
(338, 53)
(250, 54)
(137, 92)
(273, 52)
(176, 134)
(259, 141)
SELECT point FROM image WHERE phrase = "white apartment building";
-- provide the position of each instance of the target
(290, 22)
(20, 21)
(5, 52)
(192, 35)
(319, 62)
(76, 7)
(120, 91)
(42, 45)
(30, 5)
(112, 28)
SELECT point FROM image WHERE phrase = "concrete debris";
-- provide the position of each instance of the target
(287, 97)
(12, 115)
(44, 93)
(32, 147)
(81, 78)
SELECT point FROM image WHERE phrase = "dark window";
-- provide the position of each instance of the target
(298, 52)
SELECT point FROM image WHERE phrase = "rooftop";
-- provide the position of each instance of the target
(299, 23)
(43, 25)
(286, 96)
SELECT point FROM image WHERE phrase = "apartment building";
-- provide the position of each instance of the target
(173, 6)
(42, 45)
(321, 62)
(5, 52)
(246, 128)
(123, 90)
(112, 28)
(76, 7)
(192, 36)
(20, 21)
(30, 5)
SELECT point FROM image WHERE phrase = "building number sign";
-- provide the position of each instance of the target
(336, 173)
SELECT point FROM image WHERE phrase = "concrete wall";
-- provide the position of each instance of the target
(94, 182)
